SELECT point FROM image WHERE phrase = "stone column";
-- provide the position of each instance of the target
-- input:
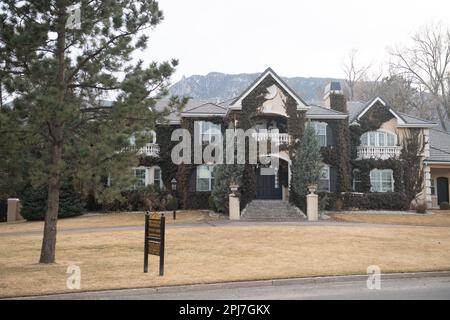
(312, 206)
(13, 213)
(235, 210)
(427, 187)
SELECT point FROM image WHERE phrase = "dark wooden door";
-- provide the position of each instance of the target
(442, 189)
(265, 187)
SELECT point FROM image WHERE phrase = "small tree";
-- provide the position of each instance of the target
(306, 166)
(411, 156)
(224, 175)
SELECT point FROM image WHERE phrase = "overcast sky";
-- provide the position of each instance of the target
(295, 38)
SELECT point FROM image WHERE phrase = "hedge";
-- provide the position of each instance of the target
(366, 201)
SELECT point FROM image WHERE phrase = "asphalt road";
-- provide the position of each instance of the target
(347, 288)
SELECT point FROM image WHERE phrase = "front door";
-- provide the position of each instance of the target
(442, 189)
(267, 188)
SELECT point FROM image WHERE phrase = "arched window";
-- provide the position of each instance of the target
(321, 132)
(378, 139)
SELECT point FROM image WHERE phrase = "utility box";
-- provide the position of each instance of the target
(13, 213)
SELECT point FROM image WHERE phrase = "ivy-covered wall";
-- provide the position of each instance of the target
(186, 173)
(246, 120)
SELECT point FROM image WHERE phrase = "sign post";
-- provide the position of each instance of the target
(155, 229)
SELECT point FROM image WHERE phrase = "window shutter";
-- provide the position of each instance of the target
(333, 179)
(193, 181)
(330, 136)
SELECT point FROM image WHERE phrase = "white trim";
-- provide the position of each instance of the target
(237, 105)
(197, 115)
(416, 125)
(323, 116)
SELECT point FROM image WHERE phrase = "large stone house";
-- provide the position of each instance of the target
(361, 147)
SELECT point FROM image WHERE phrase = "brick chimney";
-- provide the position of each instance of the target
(334, 97)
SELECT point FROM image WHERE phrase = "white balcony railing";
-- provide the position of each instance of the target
(366, 152)
(150, 150)
(278, 138)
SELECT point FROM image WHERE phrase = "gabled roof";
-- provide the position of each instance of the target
(358, 110)
(236, 103)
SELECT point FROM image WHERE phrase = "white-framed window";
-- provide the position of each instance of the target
(357, 182)
(207, 130)
(321, 132)
(378, 139)
(205, 178)
(382, 180)
(141, 175)
(157, 177)
(324, 180)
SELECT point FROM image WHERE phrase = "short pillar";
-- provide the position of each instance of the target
(13, 210)
(312, 207)
(235, 210)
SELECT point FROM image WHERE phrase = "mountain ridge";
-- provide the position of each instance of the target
(222, 86)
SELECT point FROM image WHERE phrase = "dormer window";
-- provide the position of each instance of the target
(378, 139)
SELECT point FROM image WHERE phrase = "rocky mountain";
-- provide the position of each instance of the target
(220, 86)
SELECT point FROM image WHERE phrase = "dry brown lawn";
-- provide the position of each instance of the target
(120, 219)
(112, 260)
(438, 218)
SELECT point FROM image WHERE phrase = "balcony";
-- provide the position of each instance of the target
(150, 150)
(277, 138)
(365, 152)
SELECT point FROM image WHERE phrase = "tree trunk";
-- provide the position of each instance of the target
(51, 216)
(56, 129)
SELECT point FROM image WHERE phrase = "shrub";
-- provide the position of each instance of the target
(172, 204)
(366, 201)
(212, 203)
(444, 206)
(3, 209)
(34, 202)
(148, 198)
(421, 208)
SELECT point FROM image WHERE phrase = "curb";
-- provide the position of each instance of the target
(246, 284)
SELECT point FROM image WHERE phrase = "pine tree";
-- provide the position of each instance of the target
(58, 72)
(306, 166)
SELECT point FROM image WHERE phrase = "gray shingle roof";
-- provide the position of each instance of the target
(414, 120)
(439, 146)
(354, 108)
(316, 110)
(208, 108)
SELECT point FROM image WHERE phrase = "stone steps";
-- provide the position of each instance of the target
(271, 210)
